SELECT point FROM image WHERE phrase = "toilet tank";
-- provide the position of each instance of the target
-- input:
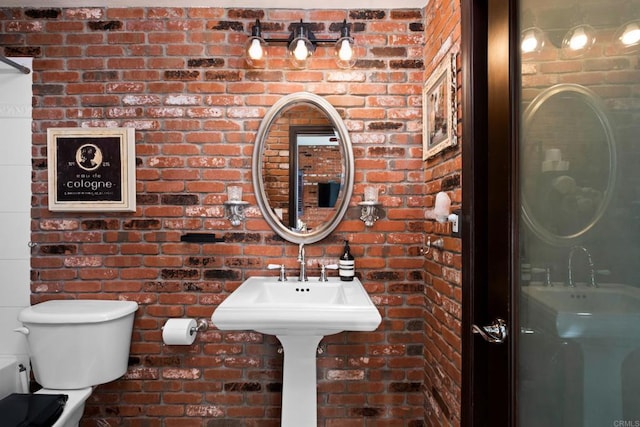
(78, 343)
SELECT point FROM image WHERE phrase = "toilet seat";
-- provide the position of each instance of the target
(74, 407)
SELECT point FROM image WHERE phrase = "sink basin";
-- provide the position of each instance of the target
(609, 311)
(271, 307)
(300, 314)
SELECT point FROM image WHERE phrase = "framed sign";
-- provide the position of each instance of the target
(91, 169)
(438, 109)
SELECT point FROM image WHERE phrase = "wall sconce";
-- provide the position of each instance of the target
(441, 211)
(234, 206)
(302, 44)
(369, 207)
(629, 34)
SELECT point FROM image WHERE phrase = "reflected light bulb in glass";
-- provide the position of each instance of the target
(578, 40)
(529, 43)
(631, 35)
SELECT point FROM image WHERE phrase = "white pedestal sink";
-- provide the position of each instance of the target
(605, 322)
(300, 314)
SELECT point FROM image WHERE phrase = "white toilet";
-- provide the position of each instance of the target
(75, 345)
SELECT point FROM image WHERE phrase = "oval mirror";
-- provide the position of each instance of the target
(568, 164)
(303, 168)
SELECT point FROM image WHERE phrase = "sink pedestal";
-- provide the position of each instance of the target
(602, 397)
(605, 322)
(299, 391)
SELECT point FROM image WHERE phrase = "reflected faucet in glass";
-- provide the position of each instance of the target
(592, 270)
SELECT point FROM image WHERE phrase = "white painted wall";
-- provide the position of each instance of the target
(15, 202)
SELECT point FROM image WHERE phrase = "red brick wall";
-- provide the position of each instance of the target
(443, 279)
(177, 76)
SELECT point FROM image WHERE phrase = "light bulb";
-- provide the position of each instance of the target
(578, 40)
(255, 51)
(529, 42)
(346, 52)
(631, 35)
(301, 52)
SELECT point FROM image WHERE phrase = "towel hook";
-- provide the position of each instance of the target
(426, 249)
(438, 243)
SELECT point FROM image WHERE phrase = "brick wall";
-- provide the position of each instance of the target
(443, 292)
(177, 76)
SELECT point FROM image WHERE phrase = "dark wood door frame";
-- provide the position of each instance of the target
(490, 208)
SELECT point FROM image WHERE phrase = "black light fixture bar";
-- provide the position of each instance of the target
(302, 44)
(344, 32)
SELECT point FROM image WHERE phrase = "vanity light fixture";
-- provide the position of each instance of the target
(234, 206)
(369, 206)
(629, 34)
(302, 43)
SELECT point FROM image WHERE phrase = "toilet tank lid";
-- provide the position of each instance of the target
(76, 311)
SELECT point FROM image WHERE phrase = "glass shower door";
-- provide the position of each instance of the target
(579, 145)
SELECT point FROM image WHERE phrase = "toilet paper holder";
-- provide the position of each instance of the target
(202, 325)
(182, 331)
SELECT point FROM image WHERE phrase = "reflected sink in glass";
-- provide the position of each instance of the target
(605, 322)
(271, 307)
(609, 311)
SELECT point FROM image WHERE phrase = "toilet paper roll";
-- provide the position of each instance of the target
(178, 332)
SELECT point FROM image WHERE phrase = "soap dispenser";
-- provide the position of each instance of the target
(347, 264)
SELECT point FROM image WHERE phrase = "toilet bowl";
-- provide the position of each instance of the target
(75, 345)
(73, 409)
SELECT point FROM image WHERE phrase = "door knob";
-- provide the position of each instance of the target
(496, 332)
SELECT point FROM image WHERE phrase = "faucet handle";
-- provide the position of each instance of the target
(323, 271)
(283, 274)
(546, 271)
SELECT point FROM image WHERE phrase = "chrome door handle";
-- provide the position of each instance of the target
(496, 332)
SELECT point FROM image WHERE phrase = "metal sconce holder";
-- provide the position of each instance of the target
(369, 212)
(234, 211)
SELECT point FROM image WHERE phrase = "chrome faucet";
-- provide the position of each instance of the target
(302, 261)
(592, 269)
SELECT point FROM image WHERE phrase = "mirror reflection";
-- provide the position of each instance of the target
(568, 163)
(303, 168)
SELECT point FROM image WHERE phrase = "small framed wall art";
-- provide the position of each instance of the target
(438, 109)
(91, 169)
